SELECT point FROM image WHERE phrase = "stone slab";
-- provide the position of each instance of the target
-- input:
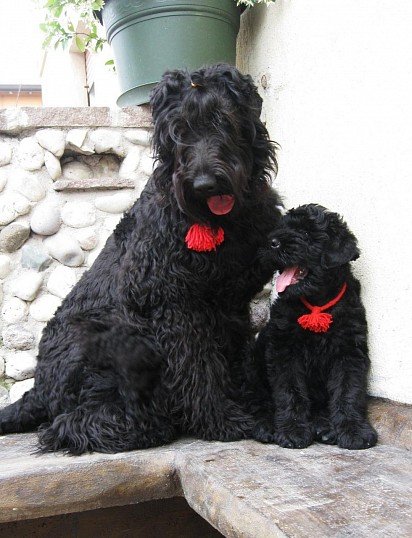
(393, 421)
(243, 489)
(16, 120)
(33, 485)
(105, 182)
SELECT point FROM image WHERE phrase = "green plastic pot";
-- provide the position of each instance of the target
(150, 36)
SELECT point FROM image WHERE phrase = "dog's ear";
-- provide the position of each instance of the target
(242, 89)
(167, 91)
(165, 97)
(342, 247)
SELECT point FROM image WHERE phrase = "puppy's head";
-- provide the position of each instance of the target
(309, 247)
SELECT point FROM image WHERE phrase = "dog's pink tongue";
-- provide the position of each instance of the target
(221, 205)
(285, 278)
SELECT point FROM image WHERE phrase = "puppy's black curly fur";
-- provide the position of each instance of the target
(317, 381)
(148, 344)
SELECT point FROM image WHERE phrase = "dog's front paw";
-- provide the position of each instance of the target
(356, 435)
(324, 431)
(264, 433)
(297, 436)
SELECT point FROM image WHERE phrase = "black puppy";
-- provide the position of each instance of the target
(314, 347)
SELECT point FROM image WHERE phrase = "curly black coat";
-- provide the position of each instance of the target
(318, 381)
(148, 344)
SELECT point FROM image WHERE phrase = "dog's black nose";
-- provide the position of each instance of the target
(205, 184)
(275, 243)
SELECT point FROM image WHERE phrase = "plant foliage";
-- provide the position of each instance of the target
(60, 24)
(62, 16)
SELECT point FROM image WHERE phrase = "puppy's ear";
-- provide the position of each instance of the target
(342, 249)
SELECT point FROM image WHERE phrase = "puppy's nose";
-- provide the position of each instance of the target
(275, 243)
(204, 184)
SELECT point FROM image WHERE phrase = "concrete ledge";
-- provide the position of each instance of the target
(15, 120)
(243, 489)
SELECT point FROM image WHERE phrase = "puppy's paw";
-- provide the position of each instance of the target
(297, 436)
(324, 431)
(356, 435)
(264, 433)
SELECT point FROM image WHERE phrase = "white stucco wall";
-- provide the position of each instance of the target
(338, 99)
(63, 79)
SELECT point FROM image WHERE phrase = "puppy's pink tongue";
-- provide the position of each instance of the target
(221, 205)
(285, 278)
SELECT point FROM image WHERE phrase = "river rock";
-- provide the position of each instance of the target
(78, 214)
(76, 137)
(5, 266)
(87, 238)
(20, 365)
(53, 140)
(53, 165)
(28, 185)
(146, 164)
(128, 168)
(138, 136)
(107, 141)
(20, 388)
(65, 249)
(13, 236)
(13, 205)
(43, 308)
(45, 219)
(14, 310)
(16, 337)
(61, 281)
(27, 285)
(4, 397)
(77, 171)
(5, 153)
(30, 154)
(34, 257)
(116, 203)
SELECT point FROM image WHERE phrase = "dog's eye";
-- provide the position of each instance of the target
(305, 235)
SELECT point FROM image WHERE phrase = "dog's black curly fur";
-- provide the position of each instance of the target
(317, 381)
(148, 344)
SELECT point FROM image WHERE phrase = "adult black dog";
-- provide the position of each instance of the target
(314, 346)
(148, 344)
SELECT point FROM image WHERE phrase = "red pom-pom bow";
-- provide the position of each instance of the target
(202, 238)
(318, 321)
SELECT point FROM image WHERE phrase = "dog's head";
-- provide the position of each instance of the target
(308, 248)
(212, 150)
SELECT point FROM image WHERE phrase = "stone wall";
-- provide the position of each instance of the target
(66, 176)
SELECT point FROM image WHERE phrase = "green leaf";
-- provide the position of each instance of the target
(80, 43)
(57, 11)
(109, 62)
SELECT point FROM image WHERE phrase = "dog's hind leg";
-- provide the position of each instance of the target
(23, 415)
(119, 406)
(102, 427)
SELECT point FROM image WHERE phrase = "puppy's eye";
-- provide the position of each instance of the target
(275, 243)
(305, 235)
